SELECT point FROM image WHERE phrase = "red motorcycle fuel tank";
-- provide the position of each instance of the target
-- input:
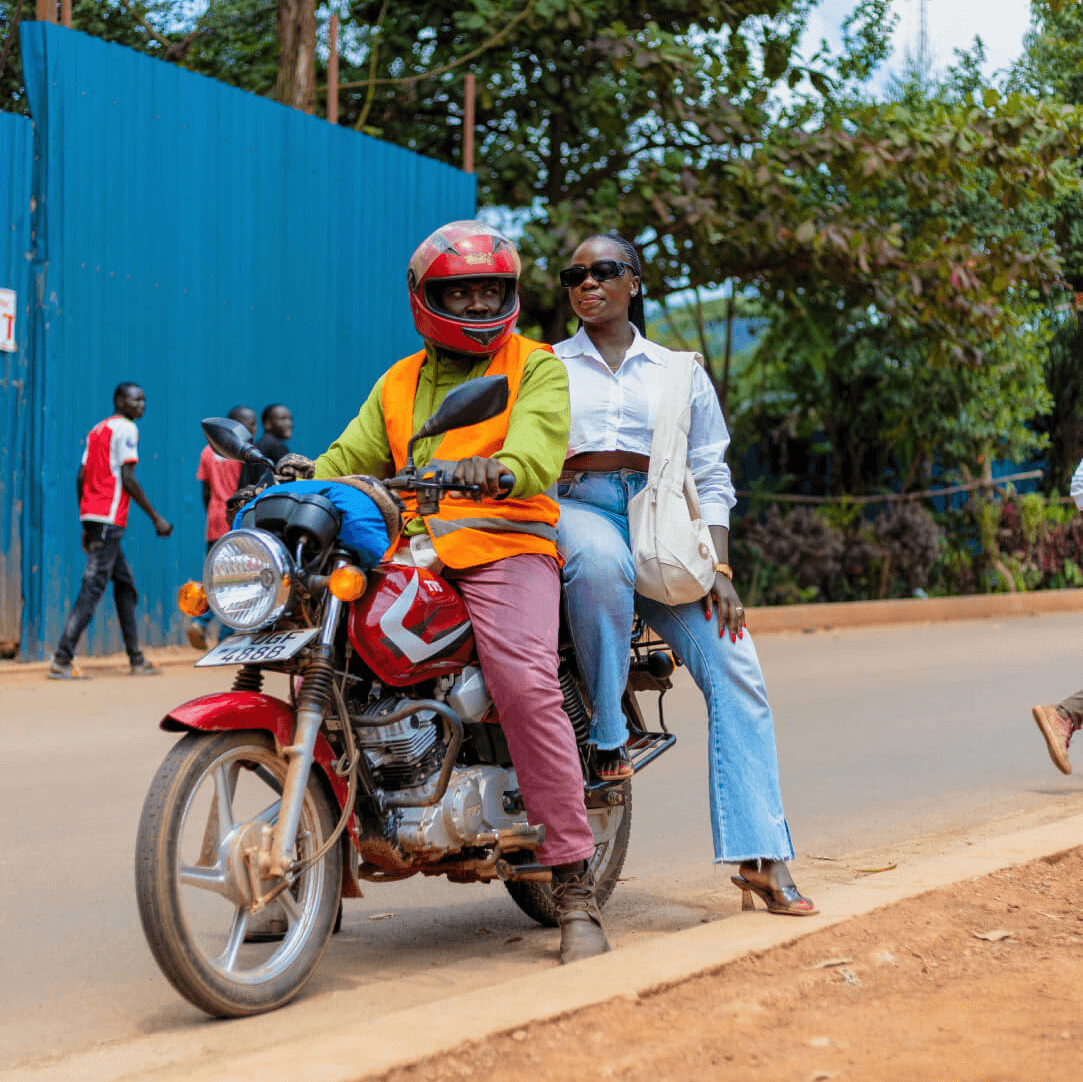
(410, 625)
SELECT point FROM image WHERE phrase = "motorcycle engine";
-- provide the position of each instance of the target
(406, 753)
(409, 752)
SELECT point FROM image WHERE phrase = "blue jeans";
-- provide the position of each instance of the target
(747, 819)
(105, 563)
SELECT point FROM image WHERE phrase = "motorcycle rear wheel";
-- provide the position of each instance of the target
(189, 876)
(536, 899)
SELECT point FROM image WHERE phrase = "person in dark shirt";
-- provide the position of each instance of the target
(277, 428)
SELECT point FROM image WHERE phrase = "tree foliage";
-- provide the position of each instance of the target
(234, 41)
(1051, 67)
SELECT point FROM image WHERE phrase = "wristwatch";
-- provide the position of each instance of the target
(724, 569)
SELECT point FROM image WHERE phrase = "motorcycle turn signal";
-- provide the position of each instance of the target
(347, 583)
(192, 599)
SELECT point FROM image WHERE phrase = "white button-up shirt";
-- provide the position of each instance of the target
(616, 411)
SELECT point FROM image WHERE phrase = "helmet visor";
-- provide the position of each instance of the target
(438, 300)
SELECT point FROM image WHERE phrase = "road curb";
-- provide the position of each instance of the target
(112, 664)
(370, 1048)
(911, 610)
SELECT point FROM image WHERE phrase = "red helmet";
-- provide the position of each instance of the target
(463, 250)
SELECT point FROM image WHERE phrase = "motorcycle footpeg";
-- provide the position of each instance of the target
(524, 873)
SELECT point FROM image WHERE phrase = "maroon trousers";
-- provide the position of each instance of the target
(514, 605)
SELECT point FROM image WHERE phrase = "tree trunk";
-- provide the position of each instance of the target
(295, 23)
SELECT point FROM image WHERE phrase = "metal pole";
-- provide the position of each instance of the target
(468, 125)
(332, 72)
(65, 13)
(46, 11)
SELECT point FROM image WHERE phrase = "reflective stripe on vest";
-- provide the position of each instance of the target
(442, 527)
(466, 533)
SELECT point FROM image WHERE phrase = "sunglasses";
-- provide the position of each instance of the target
(601, 271)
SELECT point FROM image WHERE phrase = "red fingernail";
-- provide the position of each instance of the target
(734, 638)
(741, 633)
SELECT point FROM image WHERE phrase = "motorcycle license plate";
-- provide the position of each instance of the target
(260, 647)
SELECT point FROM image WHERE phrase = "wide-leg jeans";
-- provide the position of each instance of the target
(747, 819)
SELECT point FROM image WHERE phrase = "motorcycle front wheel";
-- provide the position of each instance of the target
(210, 795)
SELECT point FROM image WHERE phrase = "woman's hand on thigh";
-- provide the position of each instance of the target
(731, 612)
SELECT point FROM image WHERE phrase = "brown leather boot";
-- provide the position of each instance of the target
(581, 932)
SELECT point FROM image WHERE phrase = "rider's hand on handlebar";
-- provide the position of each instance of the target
(483, 472)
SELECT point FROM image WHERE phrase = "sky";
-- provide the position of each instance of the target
(952, 25)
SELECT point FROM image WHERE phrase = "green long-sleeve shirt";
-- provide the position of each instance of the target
(537, 440)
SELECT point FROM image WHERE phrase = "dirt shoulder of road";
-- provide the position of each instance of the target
(976, 981)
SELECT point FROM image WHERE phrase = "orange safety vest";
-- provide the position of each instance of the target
(465, 533)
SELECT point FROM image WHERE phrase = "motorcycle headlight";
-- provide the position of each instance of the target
(247, 579)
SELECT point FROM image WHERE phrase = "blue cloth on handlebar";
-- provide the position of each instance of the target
(363, 527)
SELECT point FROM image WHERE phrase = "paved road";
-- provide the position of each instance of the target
(883, 735)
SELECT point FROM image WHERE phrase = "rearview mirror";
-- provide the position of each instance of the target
(471, 402)
(232, 440)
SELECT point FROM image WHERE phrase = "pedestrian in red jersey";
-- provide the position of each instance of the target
(219, 476)
(106, 484)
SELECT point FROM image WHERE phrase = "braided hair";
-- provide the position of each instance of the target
(635, 305)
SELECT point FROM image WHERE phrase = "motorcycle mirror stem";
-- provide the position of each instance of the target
(232, 440)
(471, 402)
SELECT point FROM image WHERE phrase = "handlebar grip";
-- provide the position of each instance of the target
(507, 481)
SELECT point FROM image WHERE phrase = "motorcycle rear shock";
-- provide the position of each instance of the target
(574, 706)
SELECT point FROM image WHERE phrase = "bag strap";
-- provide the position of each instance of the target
(670, 439)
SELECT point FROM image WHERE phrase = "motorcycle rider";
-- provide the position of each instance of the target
(500, 550)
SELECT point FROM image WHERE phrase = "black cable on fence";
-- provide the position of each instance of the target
(894, 497)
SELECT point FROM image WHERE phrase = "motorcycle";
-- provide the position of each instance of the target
(386, 761)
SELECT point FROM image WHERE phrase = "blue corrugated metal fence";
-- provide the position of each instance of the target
(16, 155)
(216, 248)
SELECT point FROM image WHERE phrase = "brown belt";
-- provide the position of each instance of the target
(604, 462)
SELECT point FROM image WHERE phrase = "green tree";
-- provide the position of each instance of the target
(234, 41)
(1051, 67)
(936, 355)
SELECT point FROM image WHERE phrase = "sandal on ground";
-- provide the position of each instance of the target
(771, 881)
(612, 764)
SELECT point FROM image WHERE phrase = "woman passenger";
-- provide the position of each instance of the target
(617, 380)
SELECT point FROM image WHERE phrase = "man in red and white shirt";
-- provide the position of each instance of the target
(106, 484)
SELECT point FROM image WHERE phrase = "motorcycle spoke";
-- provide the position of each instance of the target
(269, 814)
(213, 832)
(223, 804)
(213, 879)
(228, 958)
(289, 904)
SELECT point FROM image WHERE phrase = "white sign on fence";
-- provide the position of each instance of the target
(7, 320)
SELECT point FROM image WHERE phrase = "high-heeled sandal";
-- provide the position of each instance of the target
(784, 898)
(612, 764)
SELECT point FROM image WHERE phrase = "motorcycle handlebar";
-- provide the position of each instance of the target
(412, 483)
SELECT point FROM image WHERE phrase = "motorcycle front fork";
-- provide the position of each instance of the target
(313, 700)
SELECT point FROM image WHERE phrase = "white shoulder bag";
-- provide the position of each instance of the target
(674, 554)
